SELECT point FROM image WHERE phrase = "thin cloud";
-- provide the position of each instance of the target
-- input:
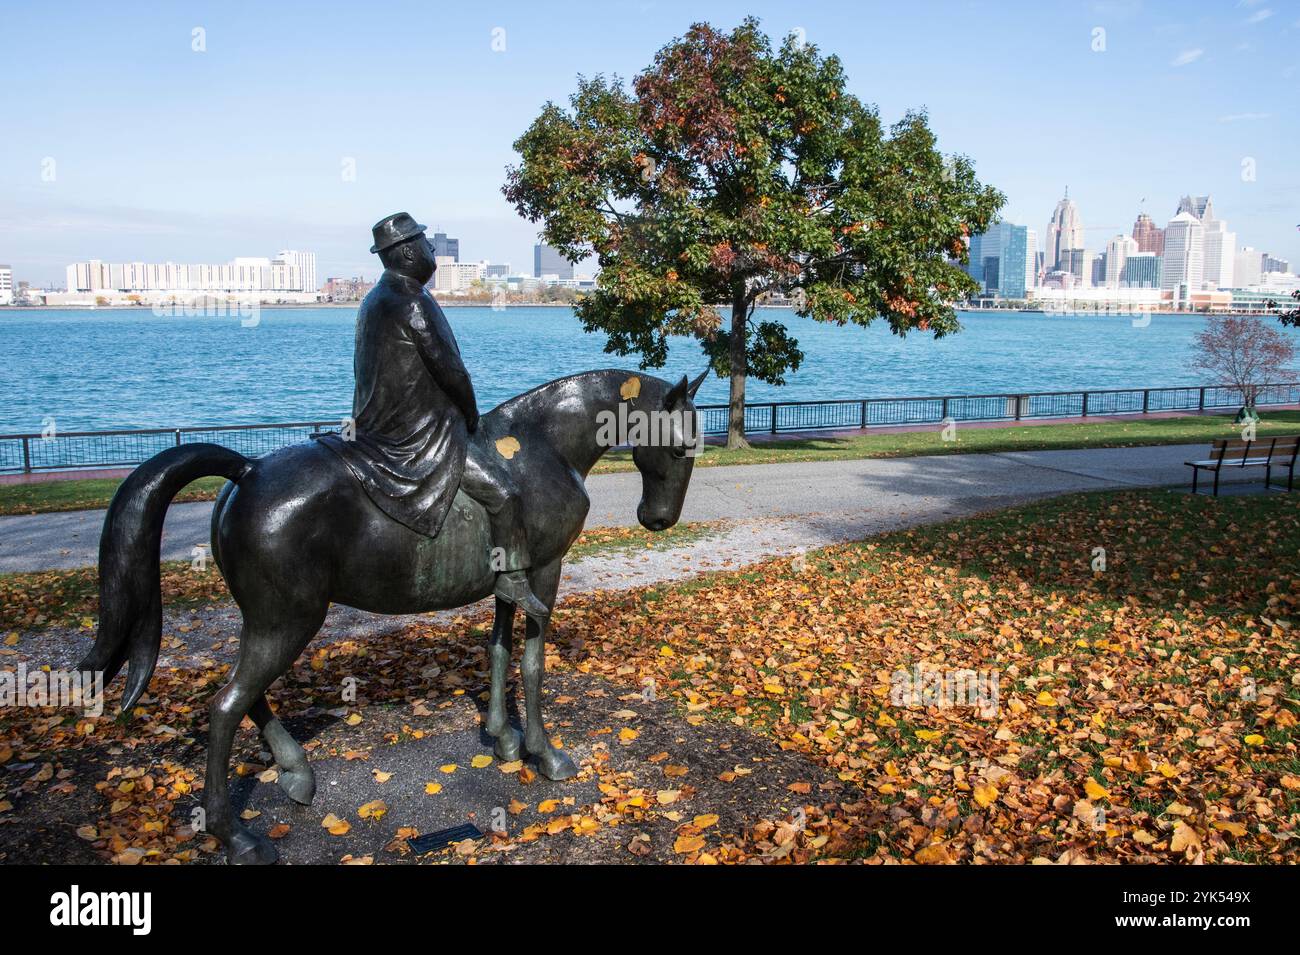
(1259, 16)
(1242, 117)
(1187, 56)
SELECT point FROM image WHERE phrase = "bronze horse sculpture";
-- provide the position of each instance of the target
(293, 532)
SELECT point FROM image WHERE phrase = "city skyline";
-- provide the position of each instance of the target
(1195, 259)
(1006, 260)
(133, 144)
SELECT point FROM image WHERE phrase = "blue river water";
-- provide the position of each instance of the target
(127, 368)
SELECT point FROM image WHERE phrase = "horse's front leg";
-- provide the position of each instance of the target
(509, 741)
(553, 763)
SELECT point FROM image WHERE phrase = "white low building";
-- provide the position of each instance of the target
(1103, 300)
(455, 277)
(289, 277)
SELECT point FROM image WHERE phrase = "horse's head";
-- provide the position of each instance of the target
(667, 456)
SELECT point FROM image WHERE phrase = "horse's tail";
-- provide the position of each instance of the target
(130, 588)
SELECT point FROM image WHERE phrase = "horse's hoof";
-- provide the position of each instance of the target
(247, 848)
(555, 765)
(509, 745)
(299, 785)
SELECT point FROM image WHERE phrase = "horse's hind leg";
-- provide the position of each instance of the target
(509, 745)
(553, 763)
(296, 777)
(264, 655)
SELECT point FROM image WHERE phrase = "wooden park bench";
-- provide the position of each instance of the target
(1268, 453)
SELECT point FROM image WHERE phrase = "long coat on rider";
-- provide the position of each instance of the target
(409, 407)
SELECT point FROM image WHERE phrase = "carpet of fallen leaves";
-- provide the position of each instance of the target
(1146, 712)
(70, 598)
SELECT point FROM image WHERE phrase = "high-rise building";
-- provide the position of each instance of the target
(1247, 267)
(1064, 232)
(1078, 262)
(1097, 269)
(1271, 263)
(445, 246)
(1198, 206)
(1149, 236)
(1118, 250)
(982, 264)
(305, 261)
(1184, 256)
(1218, 245)
(6, 285)
(497, 270)
(1000, 260)
(1031, 259)
(549, 261)
(1219, 254)
(1141, 270)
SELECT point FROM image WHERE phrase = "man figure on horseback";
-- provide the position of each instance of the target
(413, 408)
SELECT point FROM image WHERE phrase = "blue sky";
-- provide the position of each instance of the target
(161, 152)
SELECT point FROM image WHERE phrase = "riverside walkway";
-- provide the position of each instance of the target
(771, 508)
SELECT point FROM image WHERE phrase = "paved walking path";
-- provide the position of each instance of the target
(769, 510)
(803, 504)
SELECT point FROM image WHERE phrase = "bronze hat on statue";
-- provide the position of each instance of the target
(391, 230)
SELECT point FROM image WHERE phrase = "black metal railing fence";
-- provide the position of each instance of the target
(109, 449)
(774, 417)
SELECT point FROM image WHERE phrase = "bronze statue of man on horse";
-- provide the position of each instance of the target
(414, 406)
(425, 506)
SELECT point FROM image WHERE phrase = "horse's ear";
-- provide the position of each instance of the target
(694, 386)
(676, 394)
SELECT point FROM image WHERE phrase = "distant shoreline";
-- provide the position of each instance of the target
(149, 308)
(446, 303)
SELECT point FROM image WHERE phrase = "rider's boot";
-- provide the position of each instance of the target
(512, 586)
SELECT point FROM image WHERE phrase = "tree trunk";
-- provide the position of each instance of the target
(738, 359)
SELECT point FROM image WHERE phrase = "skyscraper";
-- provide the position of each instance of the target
(445, 246)
(1184, 257)
(1000, 260)
(1219, 254)
(1097, 269)
(1217, 243)
(1141, 270)
(1117, 252)
(1149, 236)
(1199, 206)
(306, 263)
(1064, 232)
(1031, 259)
(548, 261)
(1246, 267)
(1079, 264)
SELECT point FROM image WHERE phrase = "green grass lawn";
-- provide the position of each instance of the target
(80, 494)
(969, 440)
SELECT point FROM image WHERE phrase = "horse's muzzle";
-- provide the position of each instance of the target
(653, 522)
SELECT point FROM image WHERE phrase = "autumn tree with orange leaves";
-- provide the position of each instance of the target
(730, 170)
